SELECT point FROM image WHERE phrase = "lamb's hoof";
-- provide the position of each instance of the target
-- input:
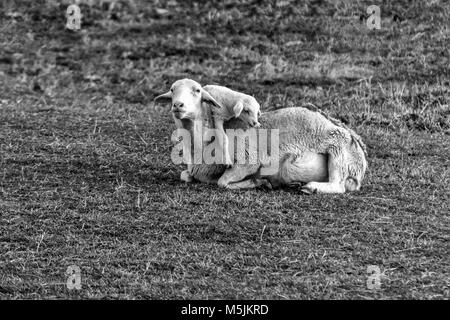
(228, 163)
(221, 183)
(264, 183)
(309, 188)
(186, 176)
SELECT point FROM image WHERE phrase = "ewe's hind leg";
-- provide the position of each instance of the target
(303, 167)
(337, 173)
(236, 174)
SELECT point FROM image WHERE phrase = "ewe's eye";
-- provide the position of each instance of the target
(197, 90)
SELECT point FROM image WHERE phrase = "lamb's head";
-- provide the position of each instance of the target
(248, 110)
(186, 97)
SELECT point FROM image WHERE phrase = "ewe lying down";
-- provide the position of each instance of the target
(314, 150)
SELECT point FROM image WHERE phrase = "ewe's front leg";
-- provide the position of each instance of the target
(250, 184)
(186, 176)
(187, 158)
(236, 174)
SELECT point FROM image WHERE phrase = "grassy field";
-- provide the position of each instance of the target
(86, 177)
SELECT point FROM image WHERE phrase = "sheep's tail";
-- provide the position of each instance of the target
(356, 139)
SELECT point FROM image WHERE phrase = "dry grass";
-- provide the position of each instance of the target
(85, 171)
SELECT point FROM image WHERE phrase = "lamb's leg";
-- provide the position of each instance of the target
(337, 174)
(236, 174)
(223, 144)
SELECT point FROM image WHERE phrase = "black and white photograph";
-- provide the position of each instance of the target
(225, 151)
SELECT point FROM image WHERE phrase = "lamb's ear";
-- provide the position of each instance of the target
(165, 97)
(237, 109)
(206, 97)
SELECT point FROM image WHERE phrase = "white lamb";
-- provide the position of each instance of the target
(234, 105)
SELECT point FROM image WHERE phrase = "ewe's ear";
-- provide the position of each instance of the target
(237, 109)
(206, 97)
(165, 97)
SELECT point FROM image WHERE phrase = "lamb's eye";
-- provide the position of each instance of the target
(197, 90)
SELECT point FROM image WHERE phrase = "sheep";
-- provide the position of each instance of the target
(234, 105)
(315, 151)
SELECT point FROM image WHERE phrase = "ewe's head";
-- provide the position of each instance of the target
(186, 96)
(248, 110)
